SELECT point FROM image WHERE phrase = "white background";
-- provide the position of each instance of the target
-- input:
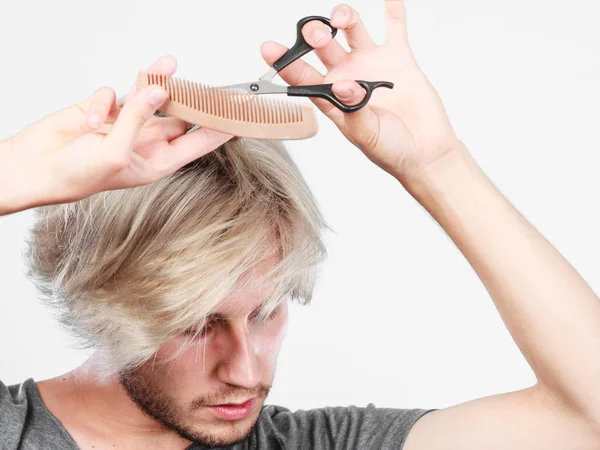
(399, 318)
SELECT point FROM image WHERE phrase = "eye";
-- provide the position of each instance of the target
(255, 317)
(274, 313)
(199, 333)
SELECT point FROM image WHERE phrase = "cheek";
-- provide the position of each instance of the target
(185, 364)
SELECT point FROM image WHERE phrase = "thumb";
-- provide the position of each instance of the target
(84, 117)
(137, 110)
(97, 107)
(360, 127)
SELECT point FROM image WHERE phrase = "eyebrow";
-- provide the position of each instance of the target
(218, 317)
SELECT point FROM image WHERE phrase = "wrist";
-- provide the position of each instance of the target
(447, 174)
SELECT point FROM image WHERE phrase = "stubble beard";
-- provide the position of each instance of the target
(151, 400)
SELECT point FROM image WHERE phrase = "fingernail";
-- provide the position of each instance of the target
(319, 35)
(344, 94)
(95, 121)
(338, 15)
(157, 96)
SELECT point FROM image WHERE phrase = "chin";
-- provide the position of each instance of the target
(223, 433)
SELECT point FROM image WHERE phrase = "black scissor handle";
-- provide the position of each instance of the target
(301, 47)
(325, 91)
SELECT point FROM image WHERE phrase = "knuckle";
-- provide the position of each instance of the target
(142, 111)
(302, 75)
(141, 118)
(354, 20)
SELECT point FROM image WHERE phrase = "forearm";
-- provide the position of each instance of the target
(551, 312)
(6, 190)
(16, 192)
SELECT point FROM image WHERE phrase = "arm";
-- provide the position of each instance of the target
(96, 146)
(8, 201)
(552, 314)
(550, 311)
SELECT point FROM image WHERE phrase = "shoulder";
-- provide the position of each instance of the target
(14, 405)
(25, 421)
(357, 427)
(14, 402)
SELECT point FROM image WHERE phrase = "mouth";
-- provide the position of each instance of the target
(237, 403)
(234, 411)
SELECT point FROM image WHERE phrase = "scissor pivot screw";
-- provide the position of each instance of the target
(254, 87)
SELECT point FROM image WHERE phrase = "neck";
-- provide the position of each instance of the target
(105, 413)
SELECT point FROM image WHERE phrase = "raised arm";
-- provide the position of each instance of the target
(551, 312)
(98, 145)
(8, 201)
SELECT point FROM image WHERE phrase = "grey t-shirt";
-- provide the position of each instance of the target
(26, 424)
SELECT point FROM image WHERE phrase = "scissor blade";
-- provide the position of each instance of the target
(269, 75)
(257, 87)
(244, 88)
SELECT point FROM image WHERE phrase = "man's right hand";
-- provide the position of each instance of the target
(68, 155)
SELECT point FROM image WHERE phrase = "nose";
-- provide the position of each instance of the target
(239, 364)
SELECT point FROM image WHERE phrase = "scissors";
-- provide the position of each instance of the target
(264, 84)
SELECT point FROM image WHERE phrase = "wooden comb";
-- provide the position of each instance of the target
(233, 112)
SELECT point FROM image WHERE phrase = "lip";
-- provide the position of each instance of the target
(233, 412)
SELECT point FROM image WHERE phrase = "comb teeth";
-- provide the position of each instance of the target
(226, 104)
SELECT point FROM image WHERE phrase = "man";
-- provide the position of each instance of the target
(180, 282)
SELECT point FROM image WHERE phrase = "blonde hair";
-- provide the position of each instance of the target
(128, 270)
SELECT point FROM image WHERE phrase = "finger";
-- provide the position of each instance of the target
(156, 128)
(348, 92)
(165, 65)
(160, 130)
(360, 126)
(192, 146)
(171, 127)
(84, 117)
(297, 73)
(346, 18)
(98, 107)
(141, 106)
(329, 51)
(396, 22)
